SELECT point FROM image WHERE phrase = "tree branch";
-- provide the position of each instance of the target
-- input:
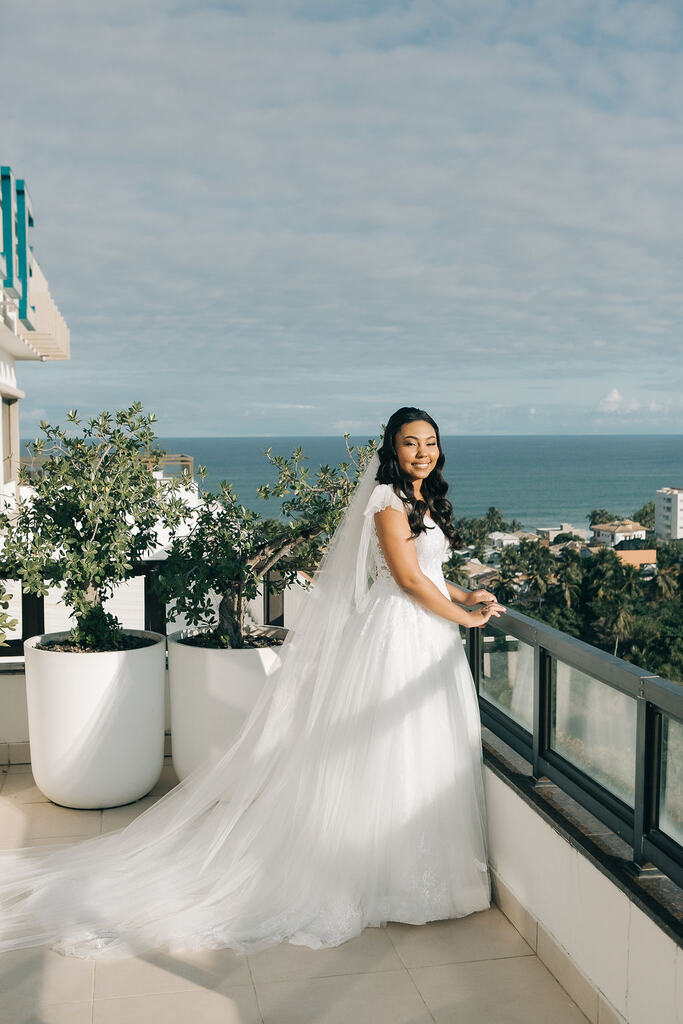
(269, 554)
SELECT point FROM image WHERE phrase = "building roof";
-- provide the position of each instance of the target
(625, 526)
(639, 556)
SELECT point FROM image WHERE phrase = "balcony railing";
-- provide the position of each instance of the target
(608, 733)
(170, 464)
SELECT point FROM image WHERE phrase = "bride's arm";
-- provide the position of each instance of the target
(400, 553)
(469, 597)
(460, 594)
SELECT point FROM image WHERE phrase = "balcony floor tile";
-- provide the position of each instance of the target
(484, 935)
(383, 997)
(33, 979)
(512, 990)
(22, 822)
(161, 972)
(20, 787)
(369, 952)
(202, 1006)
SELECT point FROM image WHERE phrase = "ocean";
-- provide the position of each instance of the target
(541, 480)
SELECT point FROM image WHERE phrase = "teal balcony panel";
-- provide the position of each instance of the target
(8, 197)
(24, 254)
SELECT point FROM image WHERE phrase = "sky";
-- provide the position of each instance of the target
(288, 218)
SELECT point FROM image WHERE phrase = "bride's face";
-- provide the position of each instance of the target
(417, 449)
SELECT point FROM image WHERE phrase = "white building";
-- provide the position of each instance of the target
(614, 533)
(31, 326)
(551, 532)
(669, 513)
(500, 539)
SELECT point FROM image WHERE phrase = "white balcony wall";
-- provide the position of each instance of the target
(607, 947)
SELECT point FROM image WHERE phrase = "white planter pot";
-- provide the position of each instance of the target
(212, 692)
(96, 721)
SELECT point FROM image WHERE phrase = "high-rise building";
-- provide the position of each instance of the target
(669, 513)
(31, 326)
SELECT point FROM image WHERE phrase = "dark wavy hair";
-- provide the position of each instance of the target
(434, 487)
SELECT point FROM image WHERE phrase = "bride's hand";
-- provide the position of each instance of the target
(481, 597)
(481, 616)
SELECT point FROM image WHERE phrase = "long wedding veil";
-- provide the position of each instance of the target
(194, 868)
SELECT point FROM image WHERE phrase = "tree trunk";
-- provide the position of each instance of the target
(231, 617)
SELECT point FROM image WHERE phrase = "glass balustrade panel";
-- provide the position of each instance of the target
(594, 726)
(507, 675)
(127, 603)
(671, 782)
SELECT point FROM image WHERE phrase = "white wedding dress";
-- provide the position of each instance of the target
(352, 797)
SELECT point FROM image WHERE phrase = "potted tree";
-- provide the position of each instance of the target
(96, 693)
(218, 665)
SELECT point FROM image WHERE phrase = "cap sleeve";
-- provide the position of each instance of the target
(383, 497)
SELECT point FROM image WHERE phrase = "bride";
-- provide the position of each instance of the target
(352, 796)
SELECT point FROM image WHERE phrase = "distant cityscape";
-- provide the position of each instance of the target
(617, 585)
(631, 541)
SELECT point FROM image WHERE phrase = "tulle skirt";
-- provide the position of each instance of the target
(338, 807)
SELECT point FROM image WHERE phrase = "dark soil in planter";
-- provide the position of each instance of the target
(127, 642)
(220, 641)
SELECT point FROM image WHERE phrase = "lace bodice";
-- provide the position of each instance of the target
(432, 547)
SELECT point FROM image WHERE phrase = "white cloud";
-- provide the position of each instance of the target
(615, 403)
(612, 401)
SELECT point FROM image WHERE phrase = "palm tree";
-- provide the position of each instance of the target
(507, 587)
(569, 576)
(621, 623)
(629, 583)
(454, 571)
(539, 569)
(602, 571)
(645, 515)
(494, 520)
(600, 515)
(479, 537)
(666, 583)
(616, 588)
